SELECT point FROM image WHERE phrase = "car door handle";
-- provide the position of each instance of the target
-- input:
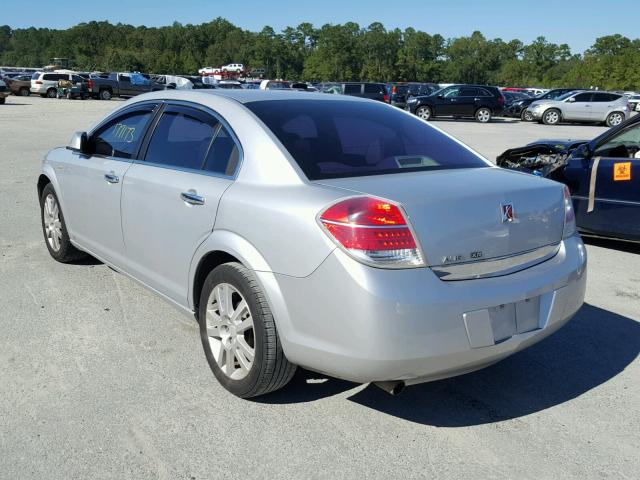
(111, 177)
(192, 198)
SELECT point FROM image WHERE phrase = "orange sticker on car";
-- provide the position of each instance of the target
(622, 171)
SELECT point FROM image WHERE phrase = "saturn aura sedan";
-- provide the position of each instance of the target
(333, 233)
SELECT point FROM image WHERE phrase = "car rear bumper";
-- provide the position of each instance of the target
(366, 324)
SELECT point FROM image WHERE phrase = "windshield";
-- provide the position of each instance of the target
(335, 139)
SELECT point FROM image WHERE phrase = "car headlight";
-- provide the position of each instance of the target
(412, 100)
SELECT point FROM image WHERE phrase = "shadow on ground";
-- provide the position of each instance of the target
(621, 246)
(590, 350)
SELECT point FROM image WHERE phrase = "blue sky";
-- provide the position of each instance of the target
(575, 22)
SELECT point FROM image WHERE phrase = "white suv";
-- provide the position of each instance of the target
(233, 67)
(46, 83)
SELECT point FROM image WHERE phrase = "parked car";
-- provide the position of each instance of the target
(124, 84)
(479, 101)
(519, 108)
(45, 84)
(233, 67)
(603, 176)
(20, 85)
(634, 103)
(373, 91)
(209, 71)
(173, 81)
(229, 84)
(583, 106)
(510, 97)
(399, 92)
(274, 85)
(418, 89)
(302, 229)
(4, 92)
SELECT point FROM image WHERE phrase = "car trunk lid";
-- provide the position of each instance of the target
(458, 215)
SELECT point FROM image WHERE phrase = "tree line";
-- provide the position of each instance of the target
(332, 52)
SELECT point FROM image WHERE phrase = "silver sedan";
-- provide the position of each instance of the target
(333, 233)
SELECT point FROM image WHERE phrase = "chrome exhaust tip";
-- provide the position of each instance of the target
(393, 387)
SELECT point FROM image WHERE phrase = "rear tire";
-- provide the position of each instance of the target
(52, 93)
(483, 115)
(105, 95)
(54, 228)
(614, 119)
(247, 362)
(24, 92)
(526, 116)
(424, 113)
(551, 117)
(3, 100)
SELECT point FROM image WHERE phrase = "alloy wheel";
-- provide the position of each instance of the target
(424, 113)
(615, 119)
(230, 331)
(552, 117)
(483, 115)
(52, 224)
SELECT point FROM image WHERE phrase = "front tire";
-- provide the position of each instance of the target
(239, 334)
(551, 117)
(614, 119)
(424, 113)
(54, 228)
(483, 115)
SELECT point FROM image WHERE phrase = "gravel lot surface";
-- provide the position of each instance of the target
(101, 379)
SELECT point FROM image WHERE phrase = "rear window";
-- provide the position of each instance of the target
(351, 88)
(335, 139)
(373, 88)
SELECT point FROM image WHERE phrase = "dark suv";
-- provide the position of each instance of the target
(478, 101)
(518, 108)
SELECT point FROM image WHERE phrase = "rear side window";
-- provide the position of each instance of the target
(468, 92)
(51, 76)
(121, 137)
(350, 88)
(223, 155)
(334, 139)
(181, 139)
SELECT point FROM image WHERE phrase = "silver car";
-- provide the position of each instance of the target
(334, 233)
(582, 106)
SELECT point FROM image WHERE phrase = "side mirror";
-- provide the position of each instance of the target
(78, 142)
(571, 100)
(583, 151)
(440, 96)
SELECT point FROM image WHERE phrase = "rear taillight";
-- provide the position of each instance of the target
(501, 99)
(38, 82)
(569, 215)
(394, 89)
(373, 231)
(90, 84)
(386, 98)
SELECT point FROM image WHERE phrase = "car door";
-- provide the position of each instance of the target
(170, 199)
(91, 183)
(124, 85)
(465, 103)
(447, 101)
(616, 191)
(601, 103)
(577, 107)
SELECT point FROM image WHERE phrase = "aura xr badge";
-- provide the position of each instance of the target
(507, 212)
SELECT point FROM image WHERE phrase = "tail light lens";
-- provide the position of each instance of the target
(90, 84)
(569, 215)
(373, 231)
(501, 99)
(38, 82)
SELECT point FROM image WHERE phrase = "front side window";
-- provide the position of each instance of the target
(121, 137)
(451, 92)
(624, 145)
(181, 139)
(334, 139)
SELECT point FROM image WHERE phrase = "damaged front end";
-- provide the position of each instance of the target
(543, 158)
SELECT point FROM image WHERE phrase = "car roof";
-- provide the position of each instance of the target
(246, 96)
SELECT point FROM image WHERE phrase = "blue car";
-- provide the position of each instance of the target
(603, 176)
